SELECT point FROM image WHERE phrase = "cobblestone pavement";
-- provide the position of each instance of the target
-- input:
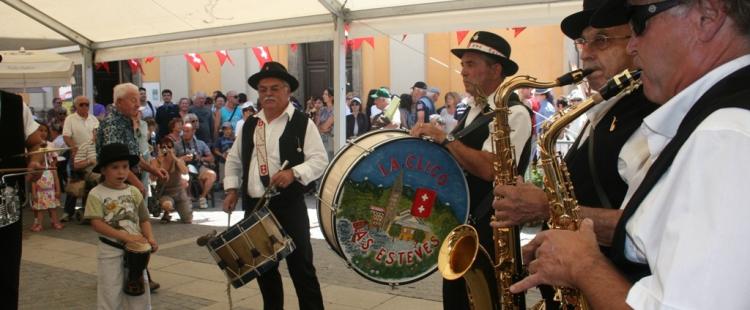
(189, 276)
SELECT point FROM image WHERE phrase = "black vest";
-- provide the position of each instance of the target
(732, 91)
(626, 115)
(291, 148)
(12, 127)
(478, 188)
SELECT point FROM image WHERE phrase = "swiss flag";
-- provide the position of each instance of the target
(460, 35)
(424, 200)
(196, 60)
(149, 59)
(135, 66)
(262, 54)
(223, 57)
(103, 65)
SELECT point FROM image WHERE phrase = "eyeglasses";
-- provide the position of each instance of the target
(84, 104)
(599, 41)
(640, 14)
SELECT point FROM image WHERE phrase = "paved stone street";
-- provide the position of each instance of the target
(59, 271)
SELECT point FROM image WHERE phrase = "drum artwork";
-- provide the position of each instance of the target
(250, 247)
(387, 201)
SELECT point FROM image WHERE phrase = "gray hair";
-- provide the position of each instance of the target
(122, 89)
(191, 117)
(737, 10)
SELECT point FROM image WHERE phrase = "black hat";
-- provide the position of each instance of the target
(114, 152)
(273, 69)
(573, 25)
(612, 13)
(420, 84)
(492, 45)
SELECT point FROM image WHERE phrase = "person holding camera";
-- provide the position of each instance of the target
(196, 153)
(171, 192)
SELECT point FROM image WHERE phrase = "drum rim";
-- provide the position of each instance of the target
(337, 197)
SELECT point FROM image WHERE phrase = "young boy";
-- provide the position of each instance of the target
(222, 146)
(118, 213)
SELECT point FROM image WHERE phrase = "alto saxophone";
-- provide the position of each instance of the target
(564, 211)
(459, 249)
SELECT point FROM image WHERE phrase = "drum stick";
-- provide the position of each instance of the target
(269, 189)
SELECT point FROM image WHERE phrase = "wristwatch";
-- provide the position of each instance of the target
(448, 139)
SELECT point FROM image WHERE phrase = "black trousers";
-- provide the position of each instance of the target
(292, 215)
(10, 264)
(454, 291)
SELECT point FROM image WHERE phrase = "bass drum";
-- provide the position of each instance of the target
(387, 202)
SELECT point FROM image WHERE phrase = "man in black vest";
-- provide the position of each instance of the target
(599, 168)
(684, 215)
(276, 134)
(20, 132)
(485, 63)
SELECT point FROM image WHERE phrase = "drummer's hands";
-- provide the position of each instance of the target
(428, 130)
(230, 200)
(519, 204)
(135, 238)
(154, 245)
(283, 178)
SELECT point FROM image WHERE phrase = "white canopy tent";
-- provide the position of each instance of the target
(24, 69)
(115, 30)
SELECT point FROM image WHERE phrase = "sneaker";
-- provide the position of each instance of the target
(65, 218)
(202, 203)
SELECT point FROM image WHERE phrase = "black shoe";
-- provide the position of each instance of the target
(153, 286)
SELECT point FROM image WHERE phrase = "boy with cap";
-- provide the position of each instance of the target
(118, 213)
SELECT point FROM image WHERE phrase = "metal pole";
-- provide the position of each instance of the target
(339, 83)
(87, 73)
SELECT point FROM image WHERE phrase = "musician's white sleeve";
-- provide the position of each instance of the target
(233, 166)
(520, 126)
(316, 158)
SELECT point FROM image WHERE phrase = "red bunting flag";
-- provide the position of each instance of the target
(196, 60)
(293, 47)
(460, 35)
(355, 44)
(149, 59)
(103, 65)
(135, 66)
(517, 31)
(223, 57)
(424, 200)
(262, 54)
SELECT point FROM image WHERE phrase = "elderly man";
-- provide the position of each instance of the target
(389, 116)
(20, 133)
(277, 134)
(230, 112)
(197, 153)
(118, 128)
(205, 125)
(485, 64)
(77, 130)
(688, 235)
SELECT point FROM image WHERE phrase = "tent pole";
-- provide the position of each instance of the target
(87, 72)
(339, 83)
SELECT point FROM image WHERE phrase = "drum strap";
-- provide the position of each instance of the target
(111, 243)
(260, 144)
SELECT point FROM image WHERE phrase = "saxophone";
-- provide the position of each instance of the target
(459, 249)
(564, 211)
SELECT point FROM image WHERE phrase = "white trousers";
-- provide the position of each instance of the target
(111, 276)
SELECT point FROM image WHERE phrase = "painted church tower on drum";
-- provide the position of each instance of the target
(391, 207)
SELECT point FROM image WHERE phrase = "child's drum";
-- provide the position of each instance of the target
(250, 247)
(387, 202)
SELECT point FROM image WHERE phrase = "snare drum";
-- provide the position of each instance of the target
(387, 202)
(10, 205)
(136, 258)
(250, 247)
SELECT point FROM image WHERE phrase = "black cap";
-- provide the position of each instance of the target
(420, 84)
(114, 152)
(492, 45)
(573, 25)
(273, 69)
(612, 13)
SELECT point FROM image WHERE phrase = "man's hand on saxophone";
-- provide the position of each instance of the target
(519, 204)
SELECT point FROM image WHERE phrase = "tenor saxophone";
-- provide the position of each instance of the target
(564, 211)
(459, 249)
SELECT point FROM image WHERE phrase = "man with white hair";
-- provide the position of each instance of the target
(118, 127)
(205, 118)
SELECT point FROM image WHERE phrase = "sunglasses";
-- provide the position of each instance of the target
(599, 41)
(640, 14)
(85, 104)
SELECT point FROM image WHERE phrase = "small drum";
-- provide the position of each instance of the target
(136, 259)
(250, 247)
(387, 202)
(10, 205)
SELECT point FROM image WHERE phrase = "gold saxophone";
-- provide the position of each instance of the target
(564, 211)
(459, 249)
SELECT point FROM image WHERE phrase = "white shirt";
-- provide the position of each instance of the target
(79, 128)
(316, 158)
(520, 125)
(691, 228)
(29, 125)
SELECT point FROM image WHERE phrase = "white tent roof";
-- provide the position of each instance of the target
(24, 69)
(118, 30)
